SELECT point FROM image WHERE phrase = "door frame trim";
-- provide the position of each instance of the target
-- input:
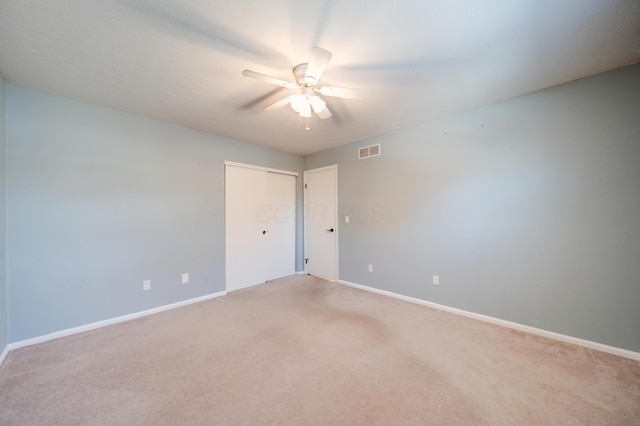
(304, 208)
(264, 169)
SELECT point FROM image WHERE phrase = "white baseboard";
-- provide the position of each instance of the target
(514, 325)
(4, 354)
(99, 324)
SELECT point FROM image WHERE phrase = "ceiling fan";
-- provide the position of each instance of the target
(307, 76)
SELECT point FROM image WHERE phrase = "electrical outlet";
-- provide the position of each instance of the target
(146, 285)
(370, 268)
(346, 219)
(185, 278)
(436, 280)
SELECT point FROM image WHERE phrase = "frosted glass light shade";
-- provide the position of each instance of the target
(317, 104)
(298, 102)
(305, 111)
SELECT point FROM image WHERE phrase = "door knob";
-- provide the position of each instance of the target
(329, 230)
(264, 232)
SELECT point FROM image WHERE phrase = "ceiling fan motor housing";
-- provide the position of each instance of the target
(301, 77)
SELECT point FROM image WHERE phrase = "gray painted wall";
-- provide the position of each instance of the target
(527, 209)
(100, 200)
(4, 313)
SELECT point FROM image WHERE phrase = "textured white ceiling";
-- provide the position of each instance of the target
(181, 61)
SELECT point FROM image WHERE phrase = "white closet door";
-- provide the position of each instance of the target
(260, 226)
(246, 245)
(281, 215)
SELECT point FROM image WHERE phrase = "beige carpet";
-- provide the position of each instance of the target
(301, 351)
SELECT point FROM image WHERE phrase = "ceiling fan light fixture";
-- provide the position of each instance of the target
(298, 102)
(317, 104)
(305, 111)
(307, 76)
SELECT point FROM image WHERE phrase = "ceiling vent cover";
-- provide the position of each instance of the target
(369, 151)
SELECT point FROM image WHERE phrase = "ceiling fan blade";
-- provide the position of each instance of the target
(341, 92)
(325, 113)
(278, 104)
(318, 62)
(268, 79)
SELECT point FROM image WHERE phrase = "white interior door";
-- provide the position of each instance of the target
(246, 244)
(321, 230)
(260, 225)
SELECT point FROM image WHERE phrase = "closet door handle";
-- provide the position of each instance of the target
(329, 230)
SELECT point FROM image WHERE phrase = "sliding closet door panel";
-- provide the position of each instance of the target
(279, 214)
(246, 235)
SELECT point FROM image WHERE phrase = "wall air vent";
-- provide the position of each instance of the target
(369, 151)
